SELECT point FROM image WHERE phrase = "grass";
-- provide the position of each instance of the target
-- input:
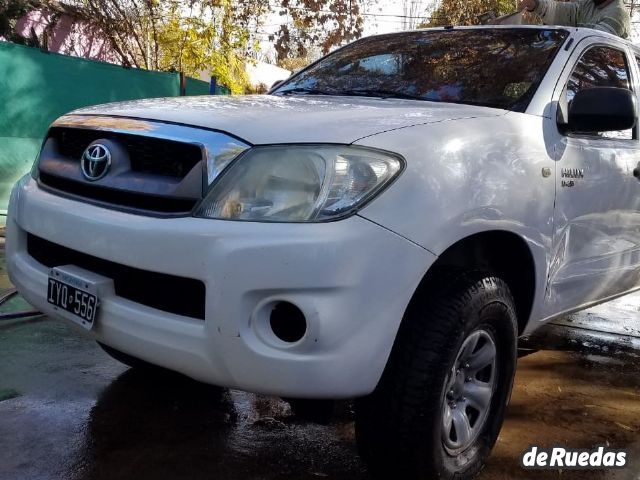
(8, 393)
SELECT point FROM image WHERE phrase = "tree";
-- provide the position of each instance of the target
(294, 64)
(214, 36)
(316, 23)
(456, 12)
(411, 10)
(190, 36)
(194, 36)
(10, 12)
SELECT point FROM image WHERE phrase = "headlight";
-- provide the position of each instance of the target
(299, 183)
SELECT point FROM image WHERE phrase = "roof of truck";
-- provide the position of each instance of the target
(576, 32)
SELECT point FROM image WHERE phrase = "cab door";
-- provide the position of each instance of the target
(595, 251)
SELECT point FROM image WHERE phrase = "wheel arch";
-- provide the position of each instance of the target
(500, 252)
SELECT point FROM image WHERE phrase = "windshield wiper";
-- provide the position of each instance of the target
(304, 90)
(360, 92)
(373, 92)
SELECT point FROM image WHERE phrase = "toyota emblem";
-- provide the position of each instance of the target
(95, 162)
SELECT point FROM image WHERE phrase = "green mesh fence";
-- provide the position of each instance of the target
(196, 87)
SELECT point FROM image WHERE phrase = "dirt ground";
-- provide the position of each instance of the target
(4, 280)
(68, 411)
(573, 400)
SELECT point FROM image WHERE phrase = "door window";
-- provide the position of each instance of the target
(601, 67)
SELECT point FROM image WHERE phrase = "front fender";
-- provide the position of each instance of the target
(471, 176)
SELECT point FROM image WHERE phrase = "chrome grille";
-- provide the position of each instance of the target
(156, 168)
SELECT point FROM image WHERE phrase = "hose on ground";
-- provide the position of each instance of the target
(8, 295)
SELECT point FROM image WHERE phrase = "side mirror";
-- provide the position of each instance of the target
(603, 109)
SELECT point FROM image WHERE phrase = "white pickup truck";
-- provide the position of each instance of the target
(383, 225)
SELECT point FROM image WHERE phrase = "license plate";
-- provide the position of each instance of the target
(80, 303)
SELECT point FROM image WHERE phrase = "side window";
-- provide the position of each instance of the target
(601, 67)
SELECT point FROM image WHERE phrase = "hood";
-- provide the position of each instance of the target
(265, 119)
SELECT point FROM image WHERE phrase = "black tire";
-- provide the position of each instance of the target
(129, 360)
(316, 411)
(399, 427)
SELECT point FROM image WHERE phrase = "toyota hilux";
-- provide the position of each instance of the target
(382, 226)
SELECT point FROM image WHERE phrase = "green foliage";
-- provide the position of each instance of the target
(456, 12)
(8, 393)
(218, 36)
(190, 36)
(209, 41)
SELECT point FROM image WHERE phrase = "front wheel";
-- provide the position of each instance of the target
(440, 404)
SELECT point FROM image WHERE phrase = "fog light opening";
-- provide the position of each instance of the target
(288, 322)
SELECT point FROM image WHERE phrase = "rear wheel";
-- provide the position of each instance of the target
(440, 404)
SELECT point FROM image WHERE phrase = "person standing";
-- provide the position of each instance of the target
(604, 15)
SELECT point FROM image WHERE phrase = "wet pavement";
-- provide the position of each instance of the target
(68, 411)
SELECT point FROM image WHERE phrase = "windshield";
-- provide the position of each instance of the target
(499, 68)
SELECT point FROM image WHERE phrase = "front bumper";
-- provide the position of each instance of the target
(352, 279)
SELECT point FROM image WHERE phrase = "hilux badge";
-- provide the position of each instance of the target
(95, 162)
